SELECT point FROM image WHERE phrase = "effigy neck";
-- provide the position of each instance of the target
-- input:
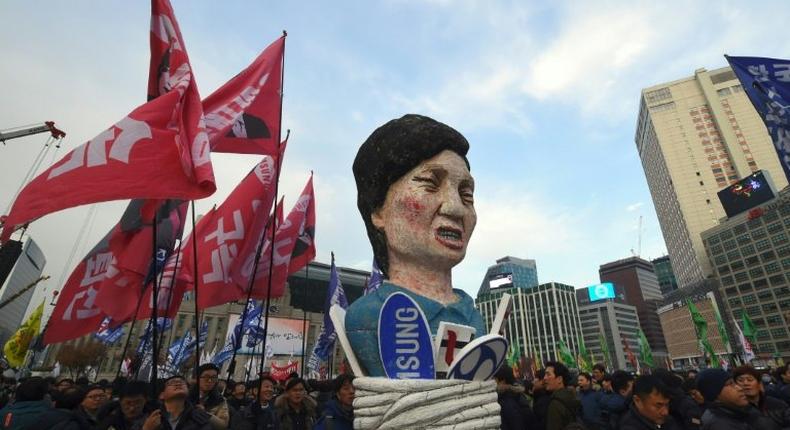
(426, 282)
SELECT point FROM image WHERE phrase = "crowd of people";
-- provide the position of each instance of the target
(711, 399)
(175, 403)
(555, 399)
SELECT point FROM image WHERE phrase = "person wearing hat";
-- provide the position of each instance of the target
(416, 197)
(728, 408)
(207, 396)
(775, 413)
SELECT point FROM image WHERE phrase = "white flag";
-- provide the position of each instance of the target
(748, 352)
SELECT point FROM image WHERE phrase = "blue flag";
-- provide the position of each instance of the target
(108, 335)
(145, 340)
(375, 280)
(235, 338)
(335, 295)
(179, 350)
(767, 83)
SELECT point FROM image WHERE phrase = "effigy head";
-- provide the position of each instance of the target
(415, 192)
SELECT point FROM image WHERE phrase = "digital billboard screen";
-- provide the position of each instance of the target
(747, 193)
(501, 280)
(601, 291)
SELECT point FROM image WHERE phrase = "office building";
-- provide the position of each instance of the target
(637, 280)
(17, 290)
(542, 315)
(750, 255)
(681, 334)
(513, 271)
(612, 321)
(695, 136)
(666, 277)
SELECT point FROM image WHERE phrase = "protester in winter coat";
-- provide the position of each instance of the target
(540, 399)
(339, 411)
(781, 389)
(64, 415)
(685, 411)
(177, 413)
(260, 414)
(590, 400)
(728, 408)
(295, 409)
(615, 404)
(31, 402)
(598, 373)
(508, 395)
(563, 406)
(238, 399)
(650, 407)
(775, 413)
(95, 398)
(130, 410)
(206, 395)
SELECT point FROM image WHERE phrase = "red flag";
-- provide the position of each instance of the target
(134, 265)
(226, 230)
(76, 313)
(285, 241)
(304, 249)
(243, 116)
(160, 150)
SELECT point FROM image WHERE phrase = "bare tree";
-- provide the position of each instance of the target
(78, 359)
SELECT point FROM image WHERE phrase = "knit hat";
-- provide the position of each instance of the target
(710, 382)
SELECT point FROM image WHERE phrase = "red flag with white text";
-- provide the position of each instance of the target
(160, 150)
(284, 243)
(224, 232)
(243, 116)
(304, 249)
(76, 313)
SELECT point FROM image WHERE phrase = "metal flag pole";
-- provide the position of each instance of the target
(274, 229)
(195, 293)
(154, 312)
(304, 313)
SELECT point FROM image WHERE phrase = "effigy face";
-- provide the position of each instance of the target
(429, 215)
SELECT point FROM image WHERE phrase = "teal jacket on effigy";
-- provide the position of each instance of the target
(362, 321)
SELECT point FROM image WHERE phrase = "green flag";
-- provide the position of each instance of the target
(605, 351)
(700, 324)
(708, 348)
(536, 358)
(725, 339)
(566, 356)
(515, 353)
(584, 361)
(644, 350)
(749, 330)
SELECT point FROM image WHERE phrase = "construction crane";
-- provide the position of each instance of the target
(47, 127)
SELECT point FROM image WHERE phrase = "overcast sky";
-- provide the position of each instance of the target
(546, 92)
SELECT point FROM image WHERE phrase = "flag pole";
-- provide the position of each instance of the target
(154, 311)
(129, 336)
(195, 293)
(274, 229)
(170, 295)
(304, 313)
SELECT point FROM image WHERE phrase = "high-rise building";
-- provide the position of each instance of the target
(639, 284)
(517, 272)
(612, 321)
(542, 315)
(695, 136)
(666, 277)
(750, 254)
(19, 287)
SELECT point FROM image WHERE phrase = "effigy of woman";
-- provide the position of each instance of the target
(419, 347)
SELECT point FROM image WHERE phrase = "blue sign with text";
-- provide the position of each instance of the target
(405, 344)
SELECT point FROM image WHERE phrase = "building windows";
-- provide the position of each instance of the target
(777, 280)
(779, 238)
(774, 320)
(741, 276)
(658, 95)
(749, 299)
(747, 250)
(756, 272)
(734, 255)
(763, 245)
(772, 268)
(760, 283)
(779, 333)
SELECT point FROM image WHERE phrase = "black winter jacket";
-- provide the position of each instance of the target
(720, 417)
